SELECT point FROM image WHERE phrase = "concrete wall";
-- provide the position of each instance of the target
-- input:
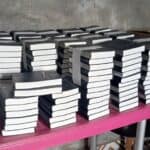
(40, 14)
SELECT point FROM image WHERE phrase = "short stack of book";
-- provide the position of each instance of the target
(41, 55)
(95, 38)
(22, 37)
(27, 33)
(36, 83)
(60, 109)
(95, 68)
(117, 34)
(10, 58)
(49, 33)
(113, 32)
(70, 31)
(18, 115)
(5, 35)
(64, 54)
(126, 73)
(144, 83)
(96, 29)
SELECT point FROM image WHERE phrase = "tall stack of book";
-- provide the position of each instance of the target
(95, 72)
(144, 83)
(41, 55)
(64, 54)
(10, 58)
(19, 107)
(60, 109)
(126, 73)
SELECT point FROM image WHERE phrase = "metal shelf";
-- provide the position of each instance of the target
(45, 138)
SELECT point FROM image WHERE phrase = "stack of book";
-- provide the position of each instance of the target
(64, 54)
(10, 58)
(41, 55)
(123, 36)
(22, 37)
(95, 38)
(49, 33)
(95, 69)
(96, 29)
(18, 115)
(69, 31)
(5, 35)
(60, 109)
(27, 33)
(117, 34)
(37, 83)
(144, 83)
(126, 73)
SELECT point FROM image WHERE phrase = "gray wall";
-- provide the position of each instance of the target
(40, 14)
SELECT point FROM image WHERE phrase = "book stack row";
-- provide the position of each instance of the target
(19, 107)
(60, 109)
(63, 45)
(41, 55)
(144, 84)
(10, 58)
(126, 73)
(95, 68)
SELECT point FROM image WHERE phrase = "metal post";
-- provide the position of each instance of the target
(140, 134)
(93, 145)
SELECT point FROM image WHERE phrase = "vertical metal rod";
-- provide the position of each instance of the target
(140, 134)
(93, 145)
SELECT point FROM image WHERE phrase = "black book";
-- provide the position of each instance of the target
(30, 80)
(124, 47)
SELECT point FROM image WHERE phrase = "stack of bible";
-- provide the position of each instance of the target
(71, 32)
(41, 55)
(60, 109)
(5, 35)
(94, 38)
(49, 33)
(144, 84)
(116, 34)
(17, 35)
(96, 29)
(64, 55)
(10, 58)
(18, 115)
(126, 73)
(92, 70)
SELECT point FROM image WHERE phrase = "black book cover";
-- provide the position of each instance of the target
(121, 45)
(35, 76)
